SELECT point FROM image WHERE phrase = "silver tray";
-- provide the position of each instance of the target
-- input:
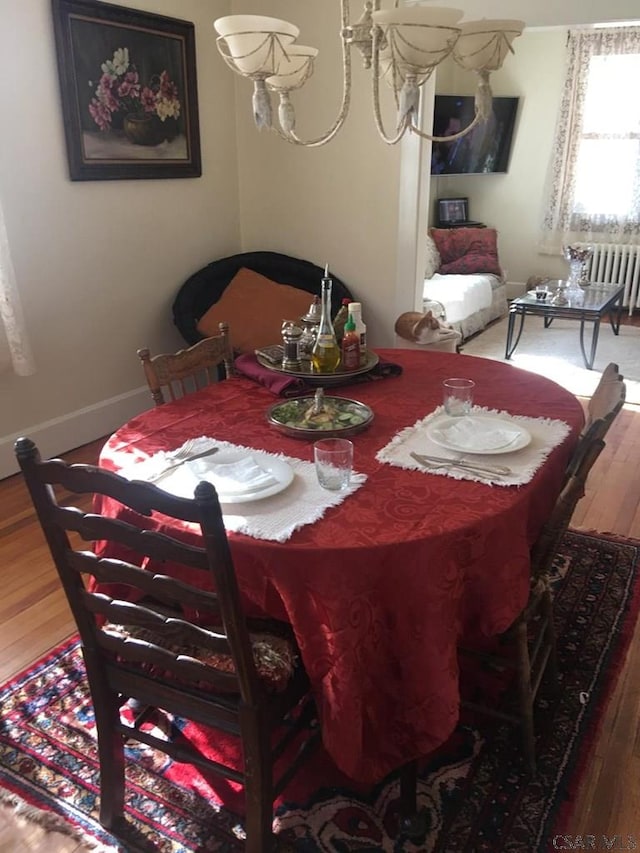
(338, 377)
(348, 417)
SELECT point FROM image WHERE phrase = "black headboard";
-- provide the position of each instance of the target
(201, 290)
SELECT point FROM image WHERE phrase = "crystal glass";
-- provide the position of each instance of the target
(457, 396)
(333, 459)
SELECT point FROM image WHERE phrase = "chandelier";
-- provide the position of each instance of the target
(402, 45)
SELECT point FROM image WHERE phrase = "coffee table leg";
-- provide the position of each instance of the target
(617, 310)
(509, 349)
(594, 343)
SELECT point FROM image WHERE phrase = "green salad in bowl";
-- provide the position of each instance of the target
(309, 416)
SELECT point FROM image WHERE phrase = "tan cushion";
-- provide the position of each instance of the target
(274, 657)
(254, 307)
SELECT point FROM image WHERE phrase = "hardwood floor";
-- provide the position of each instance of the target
(34, 617)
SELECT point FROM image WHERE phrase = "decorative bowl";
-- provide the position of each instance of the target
(319, 416)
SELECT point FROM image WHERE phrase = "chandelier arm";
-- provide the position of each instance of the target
(476, 121)
(375, 87)
(292, 136)
(483, 99)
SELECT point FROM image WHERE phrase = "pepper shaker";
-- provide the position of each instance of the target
(291, 335)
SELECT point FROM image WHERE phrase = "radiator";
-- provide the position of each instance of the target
(614, 263)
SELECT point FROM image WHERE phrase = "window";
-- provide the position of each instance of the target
(594, 187)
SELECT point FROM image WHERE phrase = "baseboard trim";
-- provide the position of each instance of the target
(76, 428)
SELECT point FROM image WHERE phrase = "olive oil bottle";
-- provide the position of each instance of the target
(325, 355)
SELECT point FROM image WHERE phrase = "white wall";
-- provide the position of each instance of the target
(98, 263)
(337, 203)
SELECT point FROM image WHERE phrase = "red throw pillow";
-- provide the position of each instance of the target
(467, 250)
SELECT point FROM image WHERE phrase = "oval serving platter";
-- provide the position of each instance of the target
(338, 417)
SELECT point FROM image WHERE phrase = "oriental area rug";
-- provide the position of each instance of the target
(474, 791)
(555, 352)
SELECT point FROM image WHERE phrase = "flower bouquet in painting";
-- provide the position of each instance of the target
(147, 112)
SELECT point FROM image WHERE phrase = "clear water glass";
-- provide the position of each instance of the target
(333, 458)
(457, 396)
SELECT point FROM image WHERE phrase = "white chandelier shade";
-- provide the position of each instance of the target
(484, 45)
(294, 69)
(403, 45)
(254, 45)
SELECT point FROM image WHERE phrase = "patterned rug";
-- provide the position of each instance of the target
(475, 789)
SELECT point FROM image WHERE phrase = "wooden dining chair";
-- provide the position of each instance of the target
(172, 375)
(244, 678)
(608, 398)
(528, 647)
(241, 679)
(602, 409)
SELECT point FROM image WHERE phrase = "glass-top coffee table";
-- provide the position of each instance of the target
(598, 301)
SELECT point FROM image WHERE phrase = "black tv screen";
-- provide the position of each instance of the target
(485, 149)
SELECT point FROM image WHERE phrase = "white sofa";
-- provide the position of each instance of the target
(464, 275)
(470, 301)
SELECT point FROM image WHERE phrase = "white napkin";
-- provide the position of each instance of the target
(240, 477)
(469, 433)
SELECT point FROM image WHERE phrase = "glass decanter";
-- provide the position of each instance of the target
(325, 355)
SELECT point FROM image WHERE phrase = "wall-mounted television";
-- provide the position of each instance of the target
(485, 149)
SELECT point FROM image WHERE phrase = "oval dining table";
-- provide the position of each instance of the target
(380, 590)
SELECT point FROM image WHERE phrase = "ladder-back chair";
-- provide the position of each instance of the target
(146, 651)
(602, 410)
(528, 647)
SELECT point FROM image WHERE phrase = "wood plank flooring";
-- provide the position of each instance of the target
(34, 617)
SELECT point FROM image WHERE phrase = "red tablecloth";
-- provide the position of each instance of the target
(380, 589)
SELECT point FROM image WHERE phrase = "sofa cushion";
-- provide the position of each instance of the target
(433, 259)
(254, 307)
(467, 250)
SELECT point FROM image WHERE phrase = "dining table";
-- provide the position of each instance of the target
(381, 587)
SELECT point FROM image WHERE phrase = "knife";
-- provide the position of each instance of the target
(498, 470)
(175, 465)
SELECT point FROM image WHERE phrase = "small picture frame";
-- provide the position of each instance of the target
(129, 92)
(453, 210)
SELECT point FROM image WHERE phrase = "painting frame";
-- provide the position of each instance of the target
(128, 90)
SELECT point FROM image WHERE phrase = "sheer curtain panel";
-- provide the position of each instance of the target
(15, 350)
(593, 187)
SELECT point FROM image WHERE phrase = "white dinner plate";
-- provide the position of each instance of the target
(442, 431)
(278, 468)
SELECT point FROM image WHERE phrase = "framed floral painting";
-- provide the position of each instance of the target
(129, 92)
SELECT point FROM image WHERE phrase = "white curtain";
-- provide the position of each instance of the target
(593, 185)
(12, 324)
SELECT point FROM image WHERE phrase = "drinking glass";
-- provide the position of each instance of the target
(541, 292)
(458, 396)
(334, 460)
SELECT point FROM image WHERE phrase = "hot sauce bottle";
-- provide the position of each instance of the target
(350, 346)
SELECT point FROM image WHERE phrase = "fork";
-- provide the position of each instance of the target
(182, 452)
(498, 471)
(180, 458)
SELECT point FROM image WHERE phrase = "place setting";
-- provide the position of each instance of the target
(264, 495)
(469, 442)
